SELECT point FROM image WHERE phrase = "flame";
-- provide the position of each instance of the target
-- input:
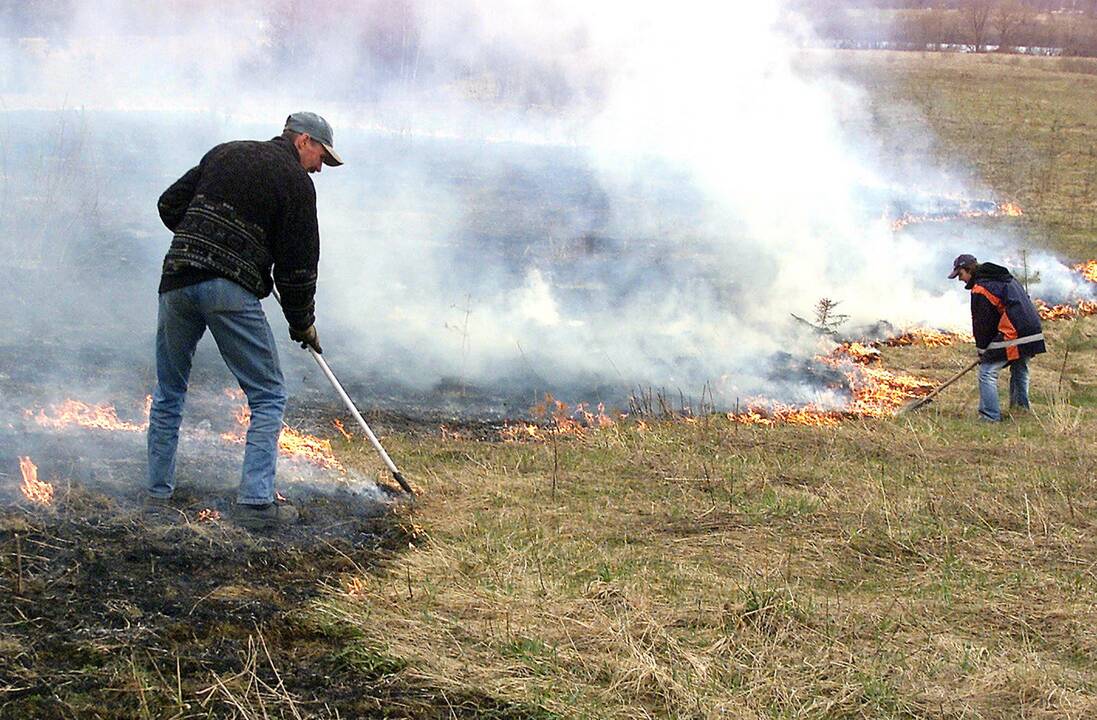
(81, 414)
(765, 413)
(875, 393)
(1006, 209)
(294, 444)
(879, 393)
(556, 418)
(451, 434)
(354, 586)
(1088, 270)
(35, 490)
(291, 443)
(927, 338)
(342, 430)
(1083, 308)
(208, 515)
(860, 353)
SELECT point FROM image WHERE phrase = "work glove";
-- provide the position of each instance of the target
(307, 338)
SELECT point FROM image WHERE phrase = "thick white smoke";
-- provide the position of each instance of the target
(560, 196)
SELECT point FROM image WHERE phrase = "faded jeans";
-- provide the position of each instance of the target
(236, 321)
(988, 387)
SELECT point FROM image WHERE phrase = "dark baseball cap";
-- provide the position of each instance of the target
(319, 130)
(962, 261)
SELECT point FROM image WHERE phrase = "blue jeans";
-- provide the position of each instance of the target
(236, 321)
(988, 387)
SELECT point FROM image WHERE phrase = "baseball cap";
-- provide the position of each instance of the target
(318, 129)
(961, 261)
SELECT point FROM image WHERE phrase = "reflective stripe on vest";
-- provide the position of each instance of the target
(1014, 342)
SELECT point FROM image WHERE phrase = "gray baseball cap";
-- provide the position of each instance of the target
(962, 261)
(319, 130)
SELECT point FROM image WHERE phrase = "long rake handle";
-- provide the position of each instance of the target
(926, 398)
(354, 411)
(951, 380)
(361, 421)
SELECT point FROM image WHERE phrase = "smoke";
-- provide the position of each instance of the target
(572, 197)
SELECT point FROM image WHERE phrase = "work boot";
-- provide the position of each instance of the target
(155, 506)
(265, 517)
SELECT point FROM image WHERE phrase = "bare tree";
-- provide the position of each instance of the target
(977, 13)
(930, 26)
(826, 317)
(1010, 18)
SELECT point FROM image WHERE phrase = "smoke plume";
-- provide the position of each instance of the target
(581, 198)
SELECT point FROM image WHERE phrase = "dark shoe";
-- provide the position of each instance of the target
(156, 506)
(265, 517)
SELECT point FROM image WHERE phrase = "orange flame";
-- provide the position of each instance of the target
(927, 338)
(354, 586)
(35, 490)
(1006, 209)
(1083, 308)
(875, 393)
(291, 443)
(208, 515)
(448, 433)
(555, 418)
(1088, 270)
(342, 430)
(860, 353)
(762, 412)
(81, 414)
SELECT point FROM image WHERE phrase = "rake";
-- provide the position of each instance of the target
(919, 402)
(357, 415)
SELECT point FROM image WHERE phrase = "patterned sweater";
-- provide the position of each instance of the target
(246, 208)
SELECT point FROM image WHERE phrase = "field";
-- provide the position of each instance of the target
(927, 566)
(1023, 126)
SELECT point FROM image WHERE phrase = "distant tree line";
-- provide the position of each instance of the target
(1067, 27)
(355, 48)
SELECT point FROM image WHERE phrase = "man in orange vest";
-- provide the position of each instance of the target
(1007, 331)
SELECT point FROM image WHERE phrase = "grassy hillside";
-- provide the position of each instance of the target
(922, 567)
(1025, 127)
(928, 566)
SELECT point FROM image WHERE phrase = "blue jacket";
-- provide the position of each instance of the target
(1005, 323)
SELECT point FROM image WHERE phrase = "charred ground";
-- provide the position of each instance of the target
(112, 613)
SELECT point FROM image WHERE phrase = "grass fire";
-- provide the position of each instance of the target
(35, 490)
(623, 361)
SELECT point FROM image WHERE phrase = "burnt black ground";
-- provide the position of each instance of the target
(111, 612)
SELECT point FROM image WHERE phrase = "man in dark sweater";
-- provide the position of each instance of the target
(244, 221)
(1007, 331)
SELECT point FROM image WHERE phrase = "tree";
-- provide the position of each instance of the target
(826, 317)
(1010, 18)
(977, 14)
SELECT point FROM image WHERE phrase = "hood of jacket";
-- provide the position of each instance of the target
(989, 271)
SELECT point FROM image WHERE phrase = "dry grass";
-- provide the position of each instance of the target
(255, 692)
(924, 567)
(1021, 126)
